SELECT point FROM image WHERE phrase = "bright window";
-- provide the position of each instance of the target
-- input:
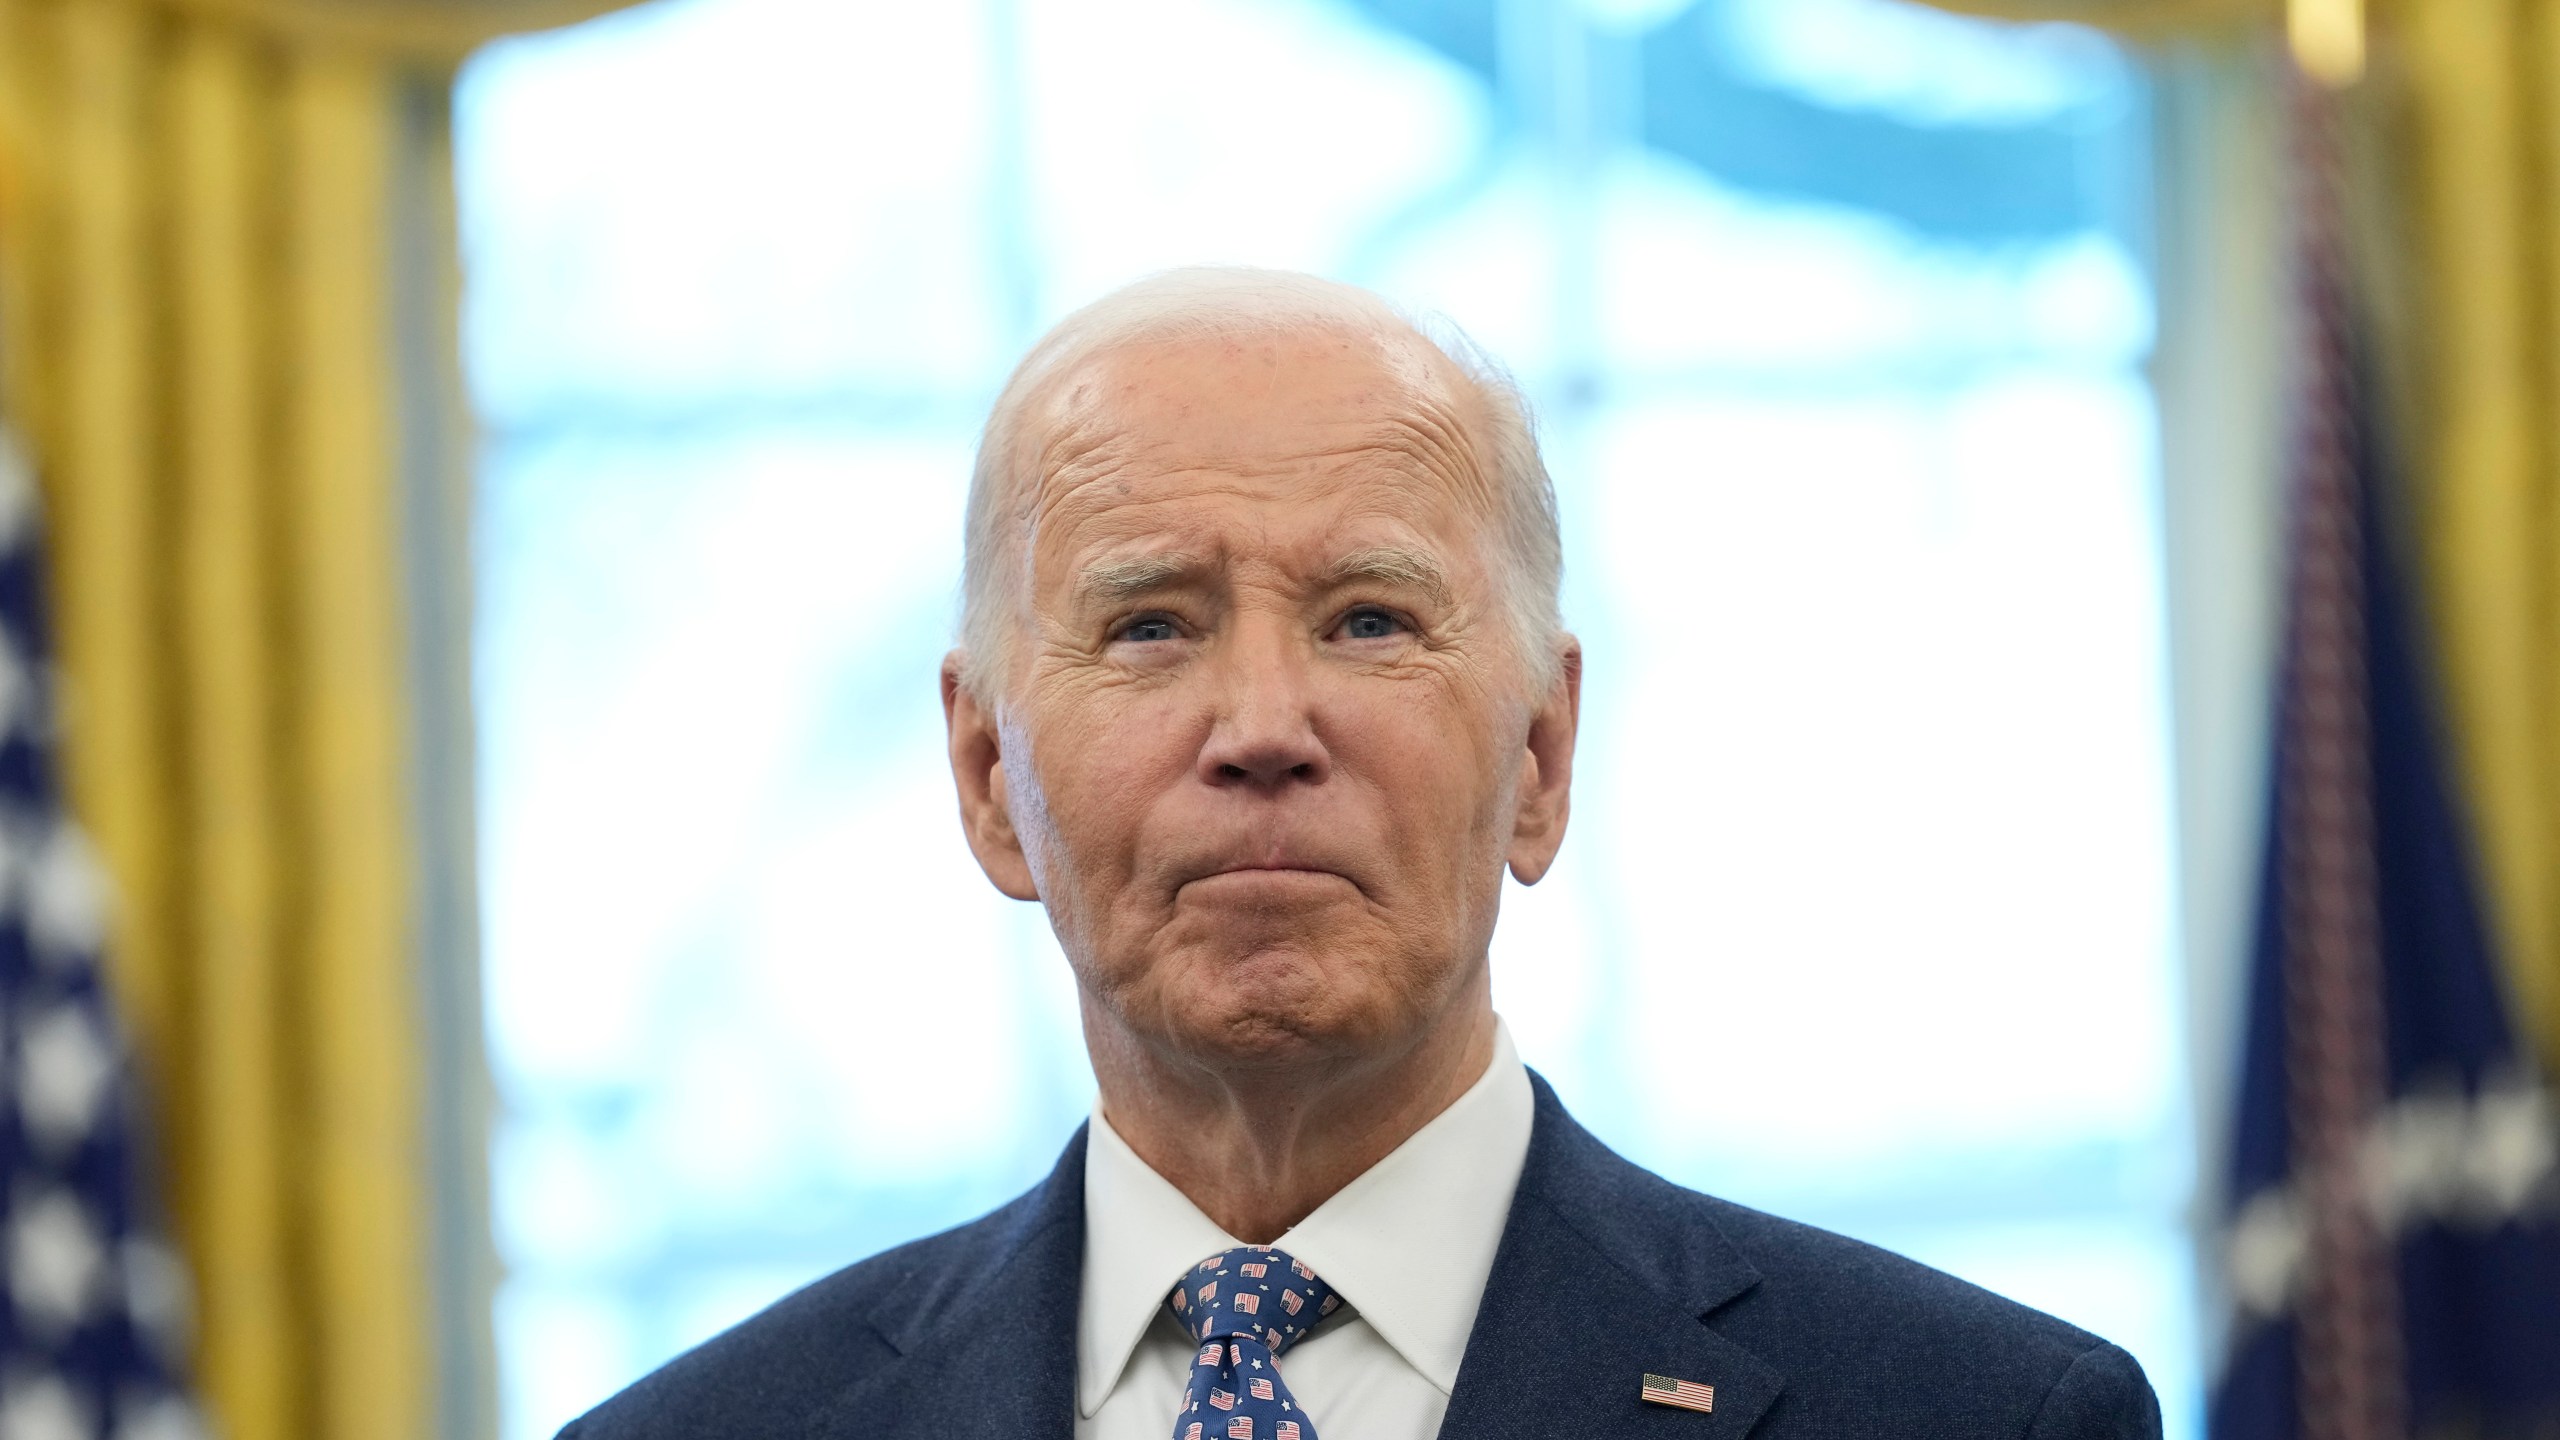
(1836, 313)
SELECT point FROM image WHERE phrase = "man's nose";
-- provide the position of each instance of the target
(1265, 734)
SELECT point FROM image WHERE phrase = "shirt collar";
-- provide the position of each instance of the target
(1140, 1235)
(1409, 1243)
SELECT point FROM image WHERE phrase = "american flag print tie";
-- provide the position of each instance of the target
(1245, 1306)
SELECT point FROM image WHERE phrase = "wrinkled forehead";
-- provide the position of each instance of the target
(1257, 405)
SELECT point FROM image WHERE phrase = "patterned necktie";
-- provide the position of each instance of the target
(1245, 1306)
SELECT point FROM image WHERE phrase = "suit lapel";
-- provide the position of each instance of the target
(1605, 1275)
(990, 1351)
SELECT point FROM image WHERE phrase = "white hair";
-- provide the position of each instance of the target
(1224, 302)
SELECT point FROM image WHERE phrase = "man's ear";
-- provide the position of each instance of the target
(977, 768)
(1546, 771)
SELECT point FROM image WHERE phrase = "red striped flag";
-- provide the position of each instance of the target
(1687, 1394)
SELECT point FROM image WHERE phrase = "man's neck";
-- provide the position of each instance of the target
(1259, 1151)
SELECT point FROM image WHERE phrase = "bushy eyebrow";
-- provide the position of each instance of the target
(1112, 581)
(1393, 565)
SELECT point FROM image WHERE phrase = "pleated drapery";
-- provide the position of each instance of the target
(225, 330)
(2475, 97)
(2461, 105)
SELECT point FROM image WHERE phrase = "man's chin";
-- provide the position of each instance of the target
(1254, 991)
(1274, 1010)
(1263, 1044)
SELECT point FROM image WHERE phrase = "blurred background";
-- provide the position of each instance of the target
(500, 467)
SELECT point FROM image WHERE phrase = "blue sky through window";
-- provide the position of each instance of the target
(1835, 314)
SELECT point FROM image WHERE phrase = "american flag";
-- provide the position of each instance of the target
(2392, 1251)
(1687, 1394)
(92, 1302)
(1240, 1428)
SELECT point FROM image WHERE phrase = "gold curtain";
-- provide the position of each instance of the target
(2461, 110)
(213, 215)
(2475, 97)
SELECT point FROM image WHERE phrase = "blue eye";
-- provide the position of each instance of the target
(1370, 625)
(1149, 628)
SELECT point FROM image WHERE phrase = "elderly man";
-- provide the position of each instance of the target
(1261, 688)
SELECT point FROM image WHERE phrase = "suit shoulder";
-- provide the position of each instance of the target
(1865, 1342)
(1865, 1286)
(1864, 1332)
(766, 1375)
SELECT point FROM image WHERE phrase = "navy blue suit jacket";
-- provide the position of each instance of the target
(1605, 1273)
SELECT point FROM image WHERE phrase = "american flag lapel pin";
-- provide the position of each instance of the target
(1687, 1394)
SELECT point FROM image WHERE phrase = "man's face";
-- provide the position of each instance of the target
(1265, 746)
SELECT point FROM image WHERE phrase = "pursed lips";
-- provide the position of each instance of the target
(1276, 871)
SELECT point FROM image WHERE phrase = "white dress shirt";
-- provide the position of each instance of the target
(1408, 1246)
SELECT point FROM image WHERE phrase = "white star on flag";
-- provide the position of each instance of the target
(66, 899)
(54, 1262)
(43, 1408)
(65, 1070)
